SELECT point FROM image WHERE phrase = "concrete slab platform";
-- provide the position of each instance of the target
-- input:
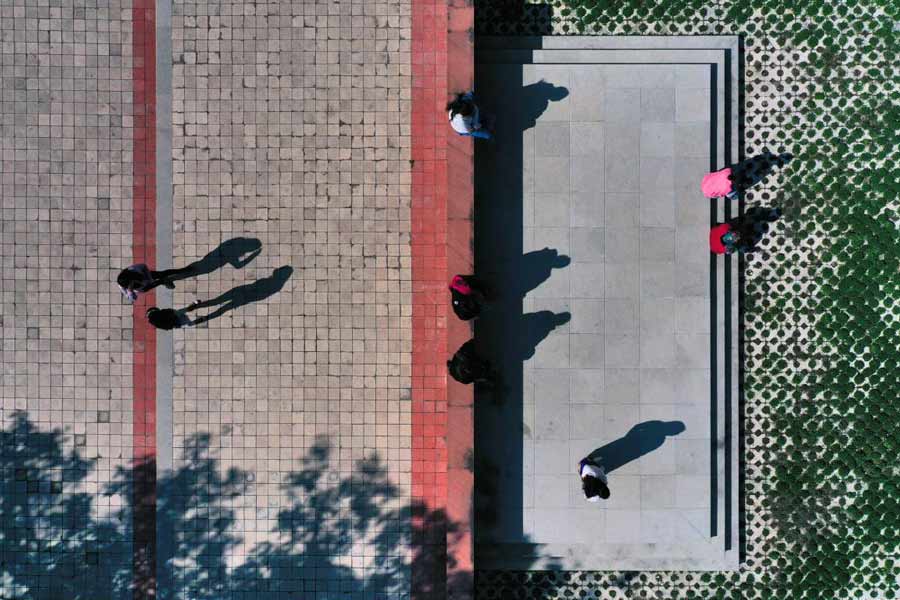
(624, 349)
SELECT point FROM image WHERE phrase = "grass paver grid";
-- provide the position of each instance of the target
(820, 298)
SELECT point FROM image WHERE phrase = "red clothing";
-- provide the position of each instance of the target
(715, 238)
(459, 284)
(717, 184)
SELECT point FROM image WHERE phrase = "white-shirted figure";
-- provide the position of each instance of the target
(593, 480)
(465, 118)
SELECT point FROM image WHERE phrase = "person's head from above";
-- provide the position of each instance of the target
(730, 238)
(594, 486)
(460, 106)
(128, 279)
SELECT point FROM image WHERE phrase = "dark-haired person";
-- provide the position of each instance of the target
(167, 318)
(467, 367)
(467, 296)
(593, 480)
(139, 278)
(742, 233)
(465, 118)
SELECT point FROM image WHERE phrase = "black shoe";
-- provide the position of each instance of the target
(169, 285)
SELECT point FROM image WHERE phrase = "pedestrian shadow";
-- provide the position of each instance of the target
(751, 171)
(754, 224)
(237, 252)
(642, 439)
(534, 328)
(244, 294)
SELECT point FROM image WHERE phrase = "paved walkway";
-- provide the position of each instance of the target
(294, 444)
(604, 331)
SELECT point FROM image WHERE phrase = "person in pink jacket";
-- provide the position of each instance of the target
(718, 184)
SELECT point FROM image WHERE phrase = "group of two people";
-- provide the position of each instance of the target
(139, 278)
(742, 233)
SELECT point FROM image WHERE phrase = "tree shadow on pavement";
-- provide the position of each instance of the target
(62, 536)
(244, 294)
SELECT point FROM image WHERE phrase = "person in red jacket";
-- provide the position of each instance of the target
(742, 233)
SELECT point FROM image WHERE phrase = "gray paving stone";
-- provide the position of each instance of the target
(657, 105)
(622, 350)
(587, 316)
(621, 316)
(551, 420)
(551, 139)
(693, 139)
(552, 353)
(658, 350)
(692, 104)
(657, 491)
(657, 244)
(622, 173)
(657, 315)
(658, 279)
(588, 386)
(588, 244)
(622, 210)
(587, 280)
(622, 385)
(657, 174)
(551, 386)
(621, 280)
(623, 526)
(587, 422)
(587, 350)
(657, 208)
(587, 208)
(587, 173)
(551, 457)
(658, 140)
(622, 244)
(551, 210)
(692, 350)
(588, 139)
(551, 174)
(622, 106)
(692, 314)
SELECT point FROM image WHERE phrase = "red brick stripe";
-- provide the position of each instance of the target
(144, 251)
(441, 233)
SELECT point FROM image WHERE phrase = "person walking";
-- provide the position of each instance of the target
(465, 118)
(467, 296)
(719, 184)
(139, 278)
(742, 233)
(467, 367)
(593, 480)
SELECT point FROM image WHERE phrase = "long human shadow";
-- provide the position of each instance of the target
(60, 541)
(237, 252)
(244, 294)
(641, 439)
(755, 222)
(753, 170)
(505, 336)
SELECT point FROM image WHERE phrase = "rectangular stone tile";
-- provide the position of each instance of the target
(587, 208)
(551, 420)
(692, 385)
(551, 353)
(551, 457)
(623, 526)
(622, 245)
(622, 210)
(691, 456)
(657, 279)
(693, 76)
(657, 208)
(657, 491)
(551, 174)
(657, 174)
(556, 238)
(551, 139)
(658, 104)
(692, 491)
(587, 316)
(587, 422)
(657, 244)
(692, 350)
(587, 244)
(658, 350)
(528, 210)
(587, 280)
(692, 314)
(692, 244)
(692, 104)
(622, 173)
(586, 350)
(693, 139)
(658, 140)
(622, 105)
(551, 210)
(622, 350)
(622, 385)
(587, 173)
(660, 461)
(587, 386)
(551, 491)
(657, 315)
(620, 418)
(694, 416)
(624, 491)
(587, 93)
(658, 385)
(692, 280)
(691, 209)
(621, 316)
(551, 386)
(622, 280)
(588, 139)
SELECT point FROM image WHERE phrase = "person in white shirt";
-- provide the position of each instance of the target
(465, 118)
(593, 480)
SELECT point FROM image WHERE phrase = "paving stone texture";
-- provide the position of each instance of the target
(611, 179)
(291, 126)
(65, 342)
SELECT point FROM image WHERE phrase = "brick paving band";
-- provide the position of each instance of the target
(144, 251)
(441, 240)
